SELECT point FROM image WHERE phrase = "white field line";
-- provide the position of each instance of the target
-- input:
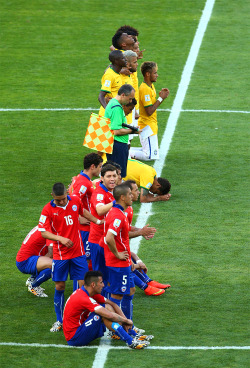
(107, 348)
(97, 109)
(145, 209)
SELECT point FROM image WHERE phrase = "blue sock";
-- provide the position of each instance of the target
(59, 304)
(127, 306)
(75, 285)
(132, 332)
(142, 275)
(138, 282)
(43, 276)
(116, 301)
(119, 330)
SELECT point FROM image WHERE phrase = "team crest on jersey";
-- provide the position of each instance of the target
(117, 223)
(42, 219)
(99, 197)
(87, 254)
(148, 185)
(96, 318)
(123, 289)
(74, 207)
(107, 83)
(155, 152)
(147, 98)
(83, 189)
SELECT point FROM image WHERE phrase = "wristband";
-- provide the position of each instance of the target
(139, 261)
(114, 202)
(98, 222)
(160, 99)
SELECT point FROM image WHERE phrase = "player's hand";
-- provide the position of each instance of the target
(67, 242)
(101, 222)
(140, 54)
(125, 71)
(123, 256)
(148, 231)
(136, 115)
(165, 197)
(127, 325)
(141, 266)
(164, 93)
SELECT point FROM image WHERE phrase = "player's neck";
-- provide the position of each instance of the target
(116, 68)
(89, 173)
(148, 81)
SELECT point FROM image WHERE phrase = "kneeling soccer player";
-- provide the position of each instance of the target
(87, 314)
(35, 258)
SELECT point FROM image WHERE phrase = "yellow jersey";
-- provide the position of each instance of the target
(127, 79)
(141, 173)
(111, 82)
(147, 97)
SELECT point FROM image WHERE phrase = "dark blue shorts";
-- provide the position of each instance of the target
(120, 156)
(28, 266)
(98, 260)
(90, 330)
(75, 267)
(121, 280)
(85, 236)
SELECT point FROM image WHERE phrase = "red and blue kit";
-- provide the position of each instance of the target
(83, 188)
(100, 197)
(33, 245)
(77, 309)
(64, 221)
(117, 223)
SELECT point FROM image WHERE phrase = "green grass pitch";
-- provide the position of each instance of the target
(53, 54)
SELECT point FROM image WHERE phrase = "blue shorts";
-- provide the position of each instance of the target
(98, 261)
(76, 267)
(85, 236)
(121, 280)
(28, 266)
(90, 330)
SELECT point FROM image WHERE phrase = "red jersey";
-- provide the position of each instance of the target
(33, 245)
(83, 188)
(129, 211)
(77, 309)
(117, 223)
(100, 196)
(64, 221)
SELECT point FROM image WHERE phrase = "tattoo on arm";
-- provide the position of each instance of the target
(145, 191)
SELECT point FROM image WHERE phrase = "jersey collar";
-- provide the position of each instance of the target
(54, 205)
(83, 288)
(118, 206)
(85, 175)
(103, 187)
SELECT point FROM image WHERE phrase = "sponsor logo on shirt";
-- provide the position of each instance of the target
(148, 185)
(42, 219)
(107, 83)
(83, 189)
(147, 98)
(117, 223)
(74, 207)
(99, 197)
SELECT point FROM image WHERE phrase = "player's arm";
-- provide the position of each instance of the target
(102, 209)
(101, 98)
(140, 265)
(64, 241)
(147, 197)
(110, 240)
(112, 316)
(92, 218)
(146, 231)
(163, 94)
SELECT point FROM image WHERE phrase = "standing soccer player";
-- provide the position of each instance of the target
(59, 222)
(111, 80)
(83, 188)
(117, 250)
(148, 115)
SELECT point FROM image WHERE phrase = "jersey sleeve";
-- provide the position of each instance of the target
(146, 96)
(115, 225)
(44, 221)
(107, 81)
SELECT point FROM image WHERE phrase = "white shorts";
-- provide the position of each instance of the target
(135, 124)
(150, 147)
